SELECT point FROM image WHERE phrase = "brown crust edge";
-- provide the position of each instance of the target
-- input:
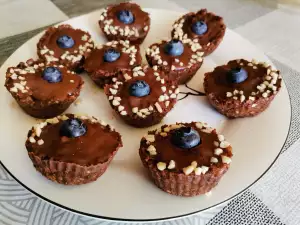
(69, 173)
(236, 109)
(45, 112)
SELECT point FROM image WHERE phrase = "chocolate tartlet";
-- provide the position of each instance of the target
(43, 91)
(105, 61)
(205, 27)
(142, 97)
(65, 45)
(71, 149)
(125, 21)
(179, 59)
(185, 159)
(242, 88)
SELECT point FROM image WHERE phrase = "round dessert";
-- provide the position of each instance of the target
(185, 159)
(65, 45)
(205, 27)
(43, 91)
(125, 21)
(242, 88)
(179, 59)
(142, 97)
(105, 61)
(72, 149)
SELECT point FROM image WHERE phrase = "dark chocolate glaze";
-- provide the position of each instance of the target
(95, 62)
(171, 60)
(52, 34)
(202, 153)
(141, 18)
(129, 102)
(215, 26)
(141, 102)
(218, 83)
(40, 89)
(95, 146)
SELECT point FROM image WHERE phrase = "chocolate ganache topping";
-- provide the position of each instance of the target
(204, 26)
(243, 78)
(113, 56)
(40, 82)
(175, 55)
(185, 146)
(74, 139)
(65, 44)
(125, 20)
(141, 92)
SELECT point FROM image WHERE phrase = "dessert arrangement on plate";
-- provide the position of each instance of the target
(184, 159)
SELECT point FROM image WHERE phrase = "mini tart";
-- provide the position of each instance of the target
(72, 161)
(179, 68)
(185, 172)
(113, 29)
(73, 58)
(102, 72)
(209, 40)
(142, 111)
(248, 98)
(36, 96)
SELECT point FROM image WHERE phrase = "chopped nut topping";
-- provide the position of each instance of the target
(218, 151)
(171, 165)
(188, 170)
(226, 159)
(150, 138)
(161, 166)
(224, 144)
(214, 160)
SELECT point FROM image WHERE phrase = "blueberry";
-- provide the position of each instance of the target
(185, 137)
(174, 48)
(72, 128)
(125, 16)
(139, 89)
(52, 74)
(65, 41)
(199, 27)
(237, 75)
(111, 55)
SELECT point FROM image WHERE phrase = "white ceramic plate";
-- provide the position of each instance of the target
(124, 192)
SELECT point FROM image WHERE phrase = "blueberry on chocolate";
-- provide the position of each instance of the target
(139, 89)
(174, 48)
(111, 55)
(199, 27)
(125, 16)
(72, 128)
(237, 75)
(65, 41)
(185, 137)
(52, 74)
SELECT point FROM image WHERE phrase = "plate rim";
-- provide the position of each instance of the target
(112, 219)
